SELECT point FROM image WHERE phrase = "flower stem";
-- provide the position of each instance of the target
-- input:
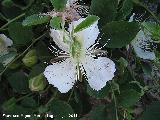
(115, 101)
(14, 19)
(22, 53)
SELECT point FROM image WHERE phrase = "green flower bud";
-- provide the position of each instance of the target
(37, 83)
(9, 105)
(30, 58)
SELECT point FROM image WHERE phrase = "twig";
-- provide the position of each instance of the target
(21, 98)
(14, 19)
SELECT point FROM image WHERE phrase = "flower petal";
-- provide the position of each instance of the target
(8, 41)
(98, 71)
(58, 38)
(61, 75)
(88, 35)
(70, 3)
(141, 45)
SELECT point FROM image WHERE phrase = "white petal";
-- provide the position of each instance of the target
(131, 18)
(141, 44)
(88, 35)
(70, 3)
(61, 75)
(8, 41)
(98, 71)
(58, 38)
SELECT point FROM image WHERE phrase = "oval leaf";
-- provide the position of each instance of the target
(105, 9)
(128, 98)
(86, 23)
(152, 112)
(59, 4)
(61, 110)
(118, 34)
(55, 22)
(35, 20)
(20, 35)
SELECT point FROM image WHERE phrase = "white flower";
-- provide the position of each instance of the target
(142, 46)
(142, 43)
(71, 12)
(63, 75)
(4, 43)
(70, 2)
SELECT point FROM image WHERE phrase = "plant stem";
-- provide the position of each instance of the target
(21, 98)
(52, 98)
(22, 53)
(3, 17)
(70, 95)
(115, 101)
(14, 19)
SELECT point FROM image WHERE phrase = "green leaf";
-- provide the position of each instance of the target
(125, 10)
(118, 34)
(21, 111)
(19, 34)
(61, 110)
(99, 94)
(36, 70)
(147, 69)
(152, 112)
(103, 112)
(36, 8)
(29, 102)
(153, 28)
(1, 67)
(19, 82)
(59, 4)
(128, 98)
(6, 11)
(55, 22)
(98, 113)
(105, 9)
(86, 23)
(122, 64)
(43, 52)
(42, 109)
(7, 58)
(9, 104)
(7, 3)
(35, 19)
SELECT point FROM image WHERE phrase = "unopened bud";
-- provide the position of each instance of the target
(30, 58)
(37, 83)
